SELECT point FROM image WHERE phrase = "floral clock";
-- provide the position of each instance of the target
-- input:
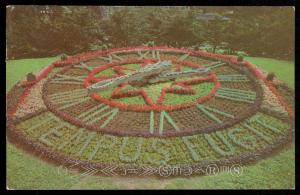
(231, 115)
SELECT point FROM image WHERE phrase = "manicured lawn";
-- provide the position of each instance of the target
(27, 172)
(284, 70)
(17, 69)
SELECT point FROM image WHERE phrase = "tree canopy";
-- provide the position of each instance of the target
(38, 31)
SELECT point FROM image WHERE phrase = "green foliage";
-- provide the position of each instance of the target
(240, 58)
(51, 131)
(213, 143)
(132, 100)
(202, 89)
(24, 172)
(260, 31)
(270, 76)
(284, 70)
(64, 57)
(241, 53)
(154, 90)
(159, 147)
(18, 69)
(192, 148)
(30, 77)
(137, 144)
(31, 32)
(256, 31)
(245, 141)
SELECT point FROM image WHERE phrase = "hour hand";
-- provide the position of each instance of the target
(138, 75)
(171, 75)
(154, 73)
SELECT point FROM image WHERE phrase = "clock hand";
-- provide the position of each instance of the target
(154, 73)
(165, 76)
(132, 76)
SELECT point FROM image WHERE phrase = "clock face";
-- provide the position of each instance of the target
(189, 119)
(195, 104)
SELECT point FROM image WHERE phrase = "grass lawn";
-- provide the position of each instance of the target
(284, 70)
(25, 171)
(17, 69)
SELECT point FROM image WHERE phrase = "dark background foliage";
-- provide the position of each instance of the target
(42, 31)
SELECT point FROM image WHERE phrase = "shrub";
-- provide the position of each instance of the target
(240, 58)
(31, 77)
(241, 53)
(270, 76)
(64, 57)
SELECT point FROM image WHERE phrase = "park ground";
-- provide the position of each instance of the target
(25, 171)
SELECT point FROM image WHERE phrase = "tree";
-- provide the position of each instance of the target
(180, 31)
(50, 30)
(215, 32)
(38, 31)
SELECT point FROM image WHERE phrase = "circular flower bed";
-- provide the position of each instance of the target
(232, 115)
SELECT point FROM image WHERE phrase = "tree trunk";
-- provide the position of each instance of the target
(214, 50)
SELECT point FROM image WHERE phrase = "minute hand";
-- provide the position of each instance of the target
(172, 75)
(132, 76)
(102, 85)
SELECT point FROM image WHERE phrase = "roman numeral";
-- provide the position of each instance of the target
(236, 95)
(83, 66)
(151, 122)
(68, 93)
(116, 57)
(85, 116)
(164, 115)
(184, 56)
(65, 79)
(142, 55)
(155, 54)
(208, 111)
(233, 78)
(92, 115)
(70, 98)
(111, 57)
(111, 114)
(215, 65)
